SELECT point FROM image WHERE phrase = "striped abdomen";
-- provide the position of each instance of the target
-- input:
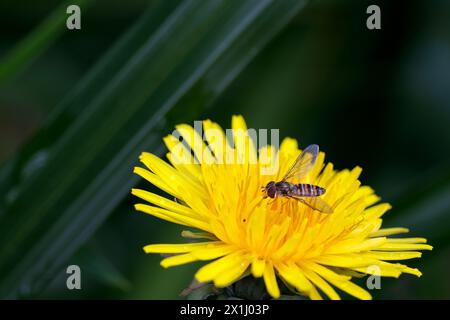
(309, 190)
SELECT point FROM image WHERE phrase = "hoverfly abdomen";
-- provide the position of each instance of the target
(309, 190)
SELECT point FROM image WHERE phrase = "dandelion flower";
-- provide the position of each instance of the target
(231, 223)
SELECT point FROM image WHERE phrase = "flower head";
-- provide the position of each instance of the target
(246, 233)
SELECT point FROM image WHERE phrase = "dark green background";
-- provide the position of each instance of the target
(379, 99)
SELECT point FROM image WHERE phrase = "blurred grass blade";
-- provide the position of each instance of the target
(30, 159)
(425, 210)
(36, 42)
(94, 262)
(162, 72)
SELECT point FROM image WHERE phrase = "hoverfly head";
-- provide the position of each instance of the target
(269, 190)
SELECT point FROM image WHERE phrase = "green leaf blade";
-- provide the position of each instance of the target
(189, 60)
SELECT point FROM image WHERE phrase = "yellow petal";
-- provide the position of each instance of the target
(326, 272)
(212, 251)
(216, 139)
(188, 168)
(271, 281)
(341, 282)
(346, 261)
(173, 143)
(195, 141)
(294, 276)
(407, 240)
(412, 271)
(258, 266)
(156, 181)
(356, 246)
(276, 235)
(177, 260)
(231, 274)
(376, 211)
(173, 217)
(238, 123)
(243, 143)
(197, 235)
(164, 203)
(289, 146)
(350, 288)
(175, 248)
(257, 226)
(403, 247)
(319, 282)
(288, 247)
(393, 255)
(381, 268)
(314, 294)
(172, 177)
(388, 232)
(269, 165)
(181, 158)
(211, 270)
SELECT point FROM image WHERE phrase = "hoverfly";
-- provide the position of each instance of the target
(306, 193)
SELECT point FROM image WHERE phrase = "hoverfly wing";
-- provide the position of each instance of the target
(304, 163)
(315, 203)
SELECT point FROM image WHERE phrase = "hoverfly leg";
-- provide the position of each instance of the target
(263, 190)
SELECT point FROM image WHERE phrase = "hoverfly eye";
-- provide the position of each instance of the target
(271, 191)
